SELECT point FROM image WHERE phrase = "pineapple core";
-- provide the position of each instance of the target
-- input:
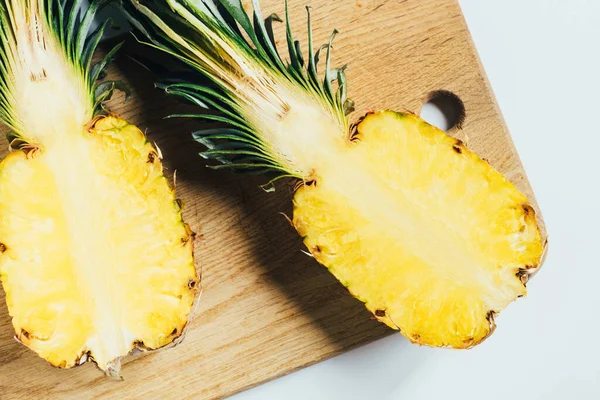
(427, 235)
(95, 257)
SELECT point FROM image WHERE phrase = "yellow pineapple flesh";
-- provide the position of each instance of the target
(95, 257)
(429, 236)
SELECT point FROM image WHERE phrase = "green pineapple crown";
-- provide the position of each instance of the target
(46, 52)
(251, 88)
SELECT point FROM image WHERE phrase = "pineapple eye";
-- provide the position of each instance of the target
(192, 283)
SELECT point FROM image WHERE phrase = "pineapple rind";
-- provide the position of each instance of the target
(96, 260)
(430, 237)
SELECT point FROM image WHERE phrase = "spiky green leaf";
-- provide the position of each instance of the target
(206, 35)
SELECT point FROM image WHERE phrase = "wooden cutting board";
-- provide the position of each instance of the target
(267, 309)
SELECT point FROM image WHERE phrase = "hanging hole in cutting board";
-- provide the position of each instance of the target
(444, 109)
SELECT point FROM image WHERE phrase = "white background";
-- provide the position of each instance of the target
(543, 60)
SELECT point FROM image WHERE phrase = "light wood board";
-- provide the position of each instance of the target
(267, 309)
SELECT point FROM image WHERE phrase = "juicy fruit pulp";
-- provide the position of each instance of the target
(94, 256)
(429, 236)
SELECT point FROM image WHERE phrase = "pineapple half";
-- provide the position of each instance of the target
(431, 238)
(95, 258)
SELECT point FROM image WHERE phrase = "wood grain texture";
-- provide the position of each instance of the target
(267, 309)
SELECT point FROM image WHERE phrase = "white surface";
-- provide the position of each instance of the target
(543, 60)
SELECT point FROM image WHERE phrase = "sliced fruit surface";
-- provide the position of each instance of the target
(95, 257)
(429, 236)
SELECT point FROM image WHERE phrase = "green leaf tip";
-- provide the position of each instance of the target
(239, 69)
